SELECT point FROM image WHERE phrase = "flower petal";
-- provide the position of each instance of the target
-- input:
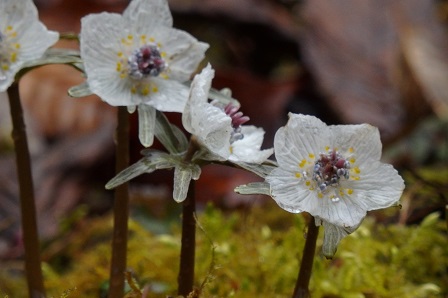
(380, 186)
(248, 148)
(27, 35)
(198, 95)
(171, 96)
(363, 139)
(289, 193)
(301, 136)
(143, 11)
(100, 45)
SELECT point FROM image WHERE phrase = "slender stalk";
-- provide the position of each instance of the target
(120, 209)
(301, 289)
(27, 203)
(188, 244)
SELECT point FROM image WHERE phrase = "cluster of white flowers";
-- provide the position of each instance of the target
(331, 172)
(139, 60)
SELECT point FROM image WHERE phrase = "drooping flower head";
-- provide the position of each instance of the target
(138, 59)
(219, 127)
(332, 172)
(23, 38)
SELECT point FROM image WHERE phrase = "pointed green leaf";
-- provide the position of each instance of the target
(155, 160)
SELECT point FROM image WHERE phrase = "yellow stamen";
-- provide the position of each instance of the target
(302, 163)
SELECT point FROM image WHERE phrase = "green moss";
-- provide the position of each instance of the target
(250, 254)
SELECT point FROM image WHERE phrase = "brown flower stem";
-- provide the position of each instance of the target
(120, 209)
(301, 289)
(33, 269)
(188, 243)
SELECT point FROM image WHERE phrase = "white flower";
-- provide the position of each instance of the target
(219, 128)
(138, 59)
(23, 38)
(332, 172)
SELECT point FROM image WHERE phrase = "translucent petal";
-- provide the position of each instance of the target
(364, 139)
(379, 186)
(301, 136)
(31, 35)
(140, 11)
(170, 97)
(289, 192)
(342, 213)
(208, 123)
(182, 178)
(15, 13)
(146, 124)
(248, 148)
(100, 45)
(34, 40)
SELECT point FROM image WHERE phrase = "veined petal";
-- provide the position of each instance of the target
(379, 187)
(182, 66)
(212, 127)
(248, 148)
(301, 136)
(23, 38)
(144, 11)
(169, 95)
(289, 193)
(363, 140)
(198, 96)
(100, 49)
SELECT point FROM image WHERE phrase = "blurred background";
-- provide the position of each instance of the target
(345, 61)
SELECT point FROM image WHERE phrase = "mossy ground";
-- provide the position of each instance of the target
(249, 253)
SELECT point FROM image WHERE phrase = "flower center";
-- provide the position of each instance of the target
(329, 169)
(146, 61)
(238, 119)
